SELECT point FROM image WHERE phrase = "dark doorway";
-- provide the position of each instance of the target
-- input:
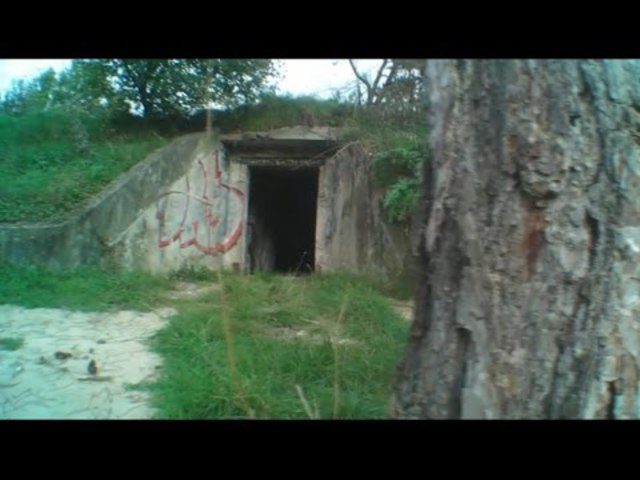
(282, 219)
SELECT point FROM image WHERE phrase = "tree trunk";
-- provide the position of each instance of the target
(529, 297)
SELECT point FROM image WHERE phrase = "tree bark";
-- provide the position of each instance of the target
(529, 297)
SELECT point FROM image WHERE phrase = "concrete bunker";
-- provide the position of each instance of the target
(283, 169)
(292, 200)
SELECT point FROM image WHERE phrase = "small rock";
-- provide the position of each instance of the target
(62, 355)
(102, 341)
(92, 368)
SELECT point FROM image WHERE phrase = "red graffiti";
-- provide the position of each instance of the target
(198, 224)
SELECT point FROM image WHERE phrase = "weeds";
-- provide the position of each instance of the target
(226, 358)
(47, 169)
(11, 343)
(87, 288)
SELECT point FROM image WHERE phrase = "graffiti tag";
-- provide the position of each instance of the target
(210, 221)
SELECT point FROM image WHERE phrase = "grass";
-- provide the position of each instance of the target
(261, 346)
(11, 343)
(86, 289)
(276, 111)
(239, 353)
(51, 163)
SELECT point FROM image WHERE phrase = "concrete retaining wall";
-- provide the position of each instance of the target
(187, 205)
(92, 235)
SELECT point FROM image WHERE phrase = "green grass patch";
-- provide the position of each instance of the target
(51, 162)
(276, 111)
(272, 346)
(11, 343)
(261, 346)
(86, 289)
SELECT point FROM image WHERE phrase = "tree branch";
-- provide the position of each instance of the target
(377, 81)
(361, 78)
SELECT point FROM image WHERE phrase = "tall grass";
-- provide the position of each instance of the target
(52, 161)
(87, 288)
(264, 346)
(275, 111)
(280, 347)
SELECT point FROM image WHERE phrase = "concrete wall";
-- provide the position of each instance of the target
(182, 204)
(200, 219)
(187, 205)
(350, 231)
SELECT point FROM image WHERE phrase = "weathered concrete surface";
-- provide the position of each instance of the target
(187, 205)
(87, 237)
(34, 384)
(200, 219)
(350, 231)
(285, 147)
(184, 205)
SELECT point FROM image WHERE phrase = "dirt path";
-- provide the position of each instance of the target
(49, 377)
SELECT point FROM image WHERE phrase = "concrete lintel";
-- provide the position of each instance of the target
(295, 142)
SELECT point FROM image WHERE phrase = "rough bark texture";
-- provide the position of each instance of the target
(529, 297)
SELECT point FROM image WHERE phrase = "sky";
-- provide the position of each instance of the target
(300, 77)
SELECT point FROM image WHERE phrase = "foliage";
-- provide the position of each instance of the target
(154, 88)
(180, 86)
(275, 111)
(399, 170)
(390, 120)
(11, 343)
(261, 346)
(398, 155)
(271, 346)
(87, 288)
(393, 92)
(52, 161)
(400, 200)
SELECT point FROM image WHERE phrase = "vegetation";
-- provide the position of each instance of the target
(389, 117)
(11, 343)
(276, 111)
(153, 88)
(271, 346)
(52, 162)
(265, 346)
(63, 137)
(86, 289)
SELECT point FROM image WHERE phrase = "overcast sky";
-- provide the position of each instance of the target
(300, 77)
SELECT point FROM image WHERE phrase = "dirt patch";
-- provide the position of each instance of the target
(187, 290)
(292, 333)
(77, 365)
(404, 308)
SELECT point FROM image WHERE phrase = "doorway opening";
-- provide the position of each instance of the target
(282, 219)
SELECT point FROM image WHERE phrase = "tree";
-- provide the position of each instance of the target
(529, 297)
(85, 86)
(175, 86)
(33, 95)
(395, 79)
(372, 86)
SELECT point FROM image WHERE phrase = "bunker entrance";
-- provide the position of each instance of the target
(282, 219)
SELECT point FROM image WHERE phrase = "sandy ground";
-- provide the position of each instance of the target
(404, 308)
(49, 376)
